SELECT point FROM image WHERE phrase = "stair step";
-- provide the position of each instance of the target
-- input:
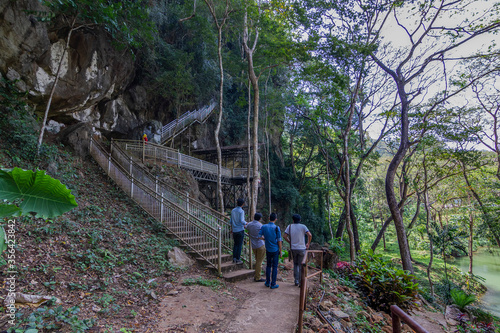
(241, 274)
(224, 258)
(226, 267)
(184, 234)
(198, 244)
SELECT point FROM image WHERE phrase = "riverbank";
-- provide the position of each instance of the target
(486, 264)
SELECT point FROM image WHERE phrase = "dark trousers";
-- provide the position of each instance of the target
(298, 256)
(272, 263)
(238, 244)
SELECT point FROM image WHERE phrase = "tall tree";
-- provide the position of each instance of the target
(276, 49)
(429, 37)
(219, 21)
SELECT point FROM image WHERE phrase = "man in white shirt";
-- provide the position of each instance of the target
(295, 235)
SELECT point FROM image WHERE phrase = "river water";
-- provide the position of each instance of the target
(486, 263)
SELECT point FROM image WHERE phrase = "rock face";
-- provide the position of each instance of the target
(95, 77)
(77, 136)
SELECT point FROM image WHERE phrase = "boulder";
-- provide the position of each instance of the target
(77, 137)
(179, 259)
(451, 315)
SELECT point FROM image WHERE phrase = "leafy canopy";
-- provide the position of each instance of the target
(126, 21)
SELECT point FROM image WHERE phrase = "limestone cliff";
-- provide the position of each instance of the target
(95, 85)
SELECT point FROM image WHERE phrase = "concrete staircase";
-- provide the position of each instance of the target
(202, 232)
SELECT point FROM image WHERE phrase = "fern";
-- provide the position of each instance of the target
(461, 299)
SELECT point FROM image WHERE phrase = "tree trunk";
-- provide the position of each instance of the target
(53, 89)
(219, 120)
(219, 24)
(254, 80)
(428, 228)
(471, 230)
(404, 248)
(249, 146)
(266, 132)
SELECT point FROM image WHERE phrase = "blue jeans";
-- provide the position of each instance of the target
(238, 244)
(272, 261)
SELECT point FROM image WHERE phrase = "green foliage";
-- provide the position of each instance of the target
(338, 246)
(461, 298)
(35, 192)
(214, 284)
(127, 22)
(17, 136)
(45, 319)
(382, 284)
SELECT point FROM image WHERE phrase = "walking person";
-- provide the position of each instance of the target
(238, 224)
(271, 233)
(258, 245)
(295, 235)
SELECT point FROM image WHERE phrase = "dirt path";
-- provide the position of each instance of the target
(267, 310)
(245, 306)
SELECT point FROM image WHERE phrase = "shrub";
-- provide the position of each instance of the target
(461, 299)
(383, 284)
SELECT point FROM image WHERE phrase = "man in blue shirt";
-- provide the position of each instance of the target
(238, 224)
(271, 233)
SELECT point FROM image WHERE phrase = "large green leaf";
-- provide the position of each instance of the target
(9, 210)
(3, 244)
(36, 191)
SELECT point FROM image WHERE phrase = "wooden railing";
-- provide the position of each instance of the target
(161, 153)
(304, 276)
(180, 124)
(197, 227)
(398, 315)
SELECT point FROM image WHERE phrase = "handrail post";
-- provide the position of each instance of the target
(302, 297)
(109, 163)
(156, 186)
(161, 209)
(399, 315)
(396, 323)
(131, 179)
(250, 252)
(219, 249)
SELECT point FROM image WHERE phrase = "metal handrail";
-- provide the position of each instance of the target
(303, 284)
(154, 203)
(173, 156)
(180, 124)
(181, 199)
(117, 145)
(397, 315)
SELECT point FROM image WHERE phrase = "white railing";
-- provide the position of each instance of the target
(202, 229)
(180, 124)
(169, 155)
